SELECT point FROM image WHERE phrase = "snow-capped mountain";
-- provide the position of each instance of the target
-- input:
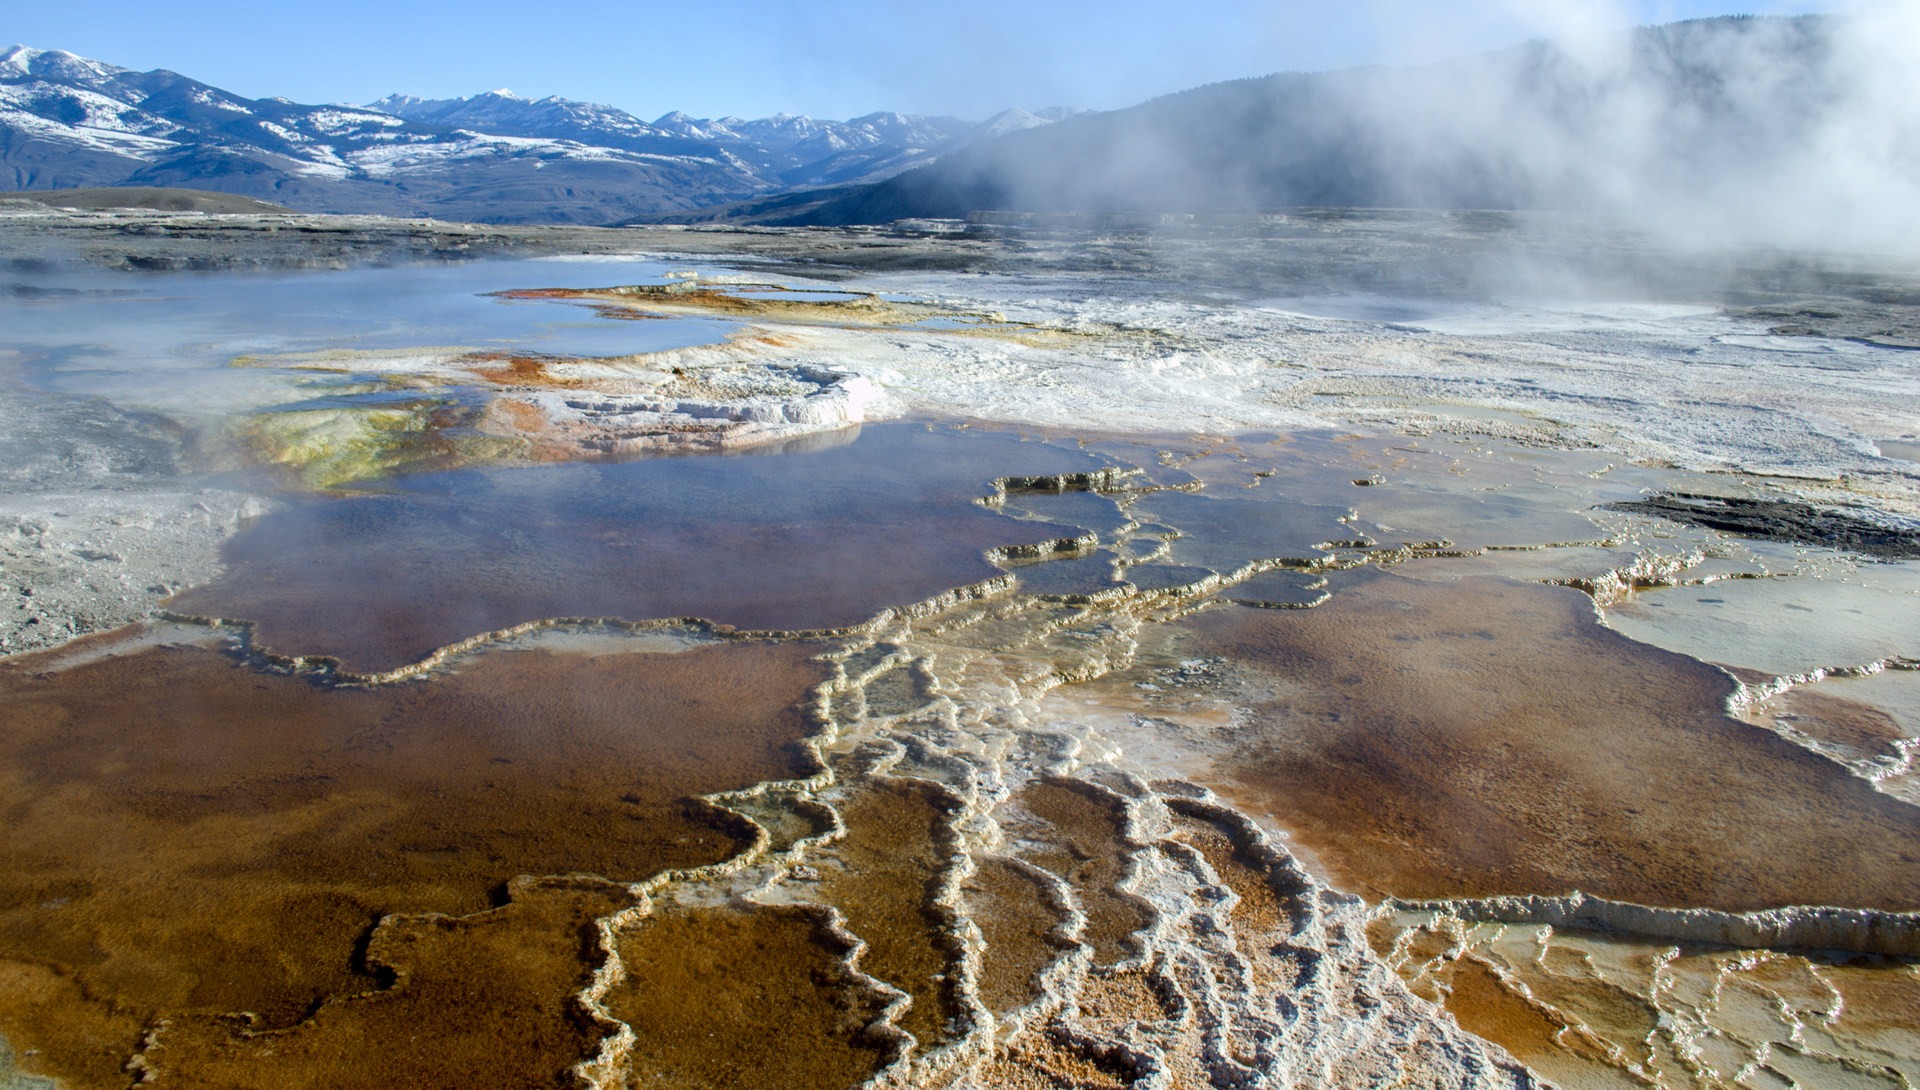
(504, 113)
(784, 150)
(67, 121)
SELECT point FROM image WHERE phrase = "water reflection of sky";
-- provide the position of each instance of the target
(169, 343)
(803, 539)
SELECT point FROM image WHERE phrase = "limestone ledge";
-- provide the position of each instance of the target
(1800, 927)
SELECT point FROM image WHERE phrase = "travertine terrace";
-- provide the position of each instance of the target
(675, 671)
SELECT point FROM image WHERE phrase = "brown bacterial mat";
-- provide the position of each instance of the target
(1012, 911)
(1485, 737)
(188, 837)
(745, 996)
(1085, 838)
(892, 859)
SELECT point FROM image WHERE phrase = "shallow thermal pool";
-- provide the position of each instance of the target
(168, 341)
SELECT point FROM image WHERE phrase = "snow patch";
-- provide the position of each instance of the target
(132, 145)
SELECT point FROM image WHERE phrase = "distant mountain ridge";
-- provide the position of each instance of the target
(68, 121)
(785, 149)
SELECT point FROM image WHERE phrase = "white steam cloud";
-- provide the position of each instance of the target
(1801, 131)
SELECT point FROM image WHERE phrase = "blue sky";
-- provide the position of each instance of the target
(828, 58)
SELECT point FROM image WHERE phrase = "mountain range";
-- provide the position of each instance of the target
(67, 122)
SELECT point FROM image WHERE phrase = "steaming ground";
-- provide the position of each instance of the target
(1680, 384)
(1684, 385)
(1342, 729)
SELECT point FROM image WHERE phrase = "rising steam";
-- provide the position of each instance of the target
(1797, 131)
